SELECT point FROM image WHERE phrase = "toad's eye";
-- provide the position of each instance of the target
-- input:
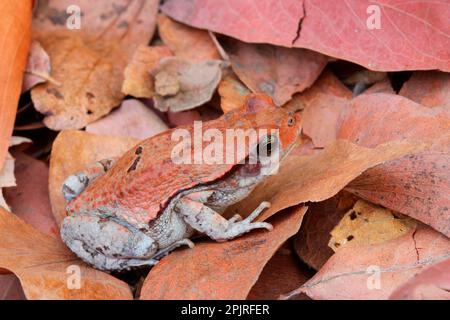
(291, 121)
(268, 144)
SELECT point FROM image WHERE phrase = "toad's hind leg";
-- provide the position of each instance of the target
(206, 220)
(76, 183)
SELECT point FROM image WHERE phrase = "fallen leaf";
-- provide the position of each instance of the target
(183, 117)
(321, 118)
(318, 177)
(182, 84)
(232, 92)
(88, 62)
(432, 283)
(372, 119)
(311, 242)
(72, 151)
(277, 71)
(46, 267)
(214, 270)
(15, 39)
(384, 36)
(38, 67)
(132, 119)
(326, 85)
(367, 224)
(283, 273)
(7, 178)
(375, 271)
(186, 42)
(428, 88)
(29, 200)
(138, 81)
(10, 288)
(416, 185)
(383, 86)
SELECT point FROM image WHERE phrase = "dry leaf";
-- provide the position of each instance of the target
(416, 185)
(7, 178)
(38, 67)
(44, 264)
(88, 62)
(433, 283)
(372, 119)
(311, 242)
(138, 81)
(133, 119)
(232, 92)
(352, 273)
(383, 86)
(276, 71)
(315, 178)
(183, 84)
(282, 274)
(367, 224)
(29, 200)
(10, 288)
(186, 42)
(429, 88)
(15, 40)
(183, 117)
(392, 36)
(74, 150)
(226, 270)
(321, 118)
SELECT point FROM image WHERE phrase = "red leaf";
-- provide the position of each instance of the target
(431, 284)
(413, 35)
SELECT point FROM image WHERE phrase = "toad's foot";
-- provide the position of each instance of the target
(206, 220)
(76, 183)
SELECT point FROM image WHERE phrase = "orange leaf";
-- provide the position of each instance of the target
(15, 39)
(352, 273)
(226, 270)
(44, 265)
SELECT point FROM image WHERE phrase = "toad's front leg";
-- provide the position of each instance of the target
(204, 219)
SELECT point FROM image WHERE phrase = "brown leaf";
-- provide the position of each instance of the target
(415, 185)
(41, 263)
(321, 118)
(232, 92)
(429, 88)
(10, 288)
(186, 42)
(351, 273)
(383, 86)
(225, 270)
(72, 151)
(432, 283)
(88, 62)
(372, 119)
(132, 119)
(15, 40)
(367, 224)
(183, 84)
(138, 81)
(276, 71)
(311, 242)
(38, 67)
(318, 177)
(283, 273)
(7, 178)
(30, 199)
